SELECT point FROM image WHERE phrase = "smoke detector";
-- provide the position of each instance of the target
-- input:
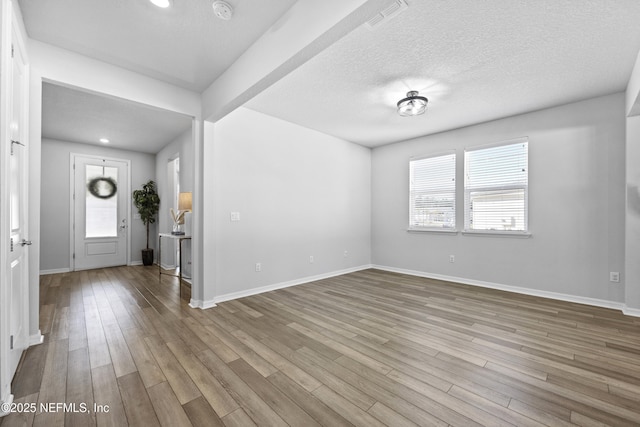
(223, 10)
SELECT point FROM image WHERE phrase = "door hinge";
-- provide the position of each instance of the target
(74, 256)
(11, 343)
(12, 244)
(12, 51)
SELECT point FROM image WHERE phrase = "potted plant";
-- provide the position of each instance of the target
(147, 202)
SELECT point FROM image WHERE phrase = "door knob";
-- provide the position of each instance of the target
(25, 242)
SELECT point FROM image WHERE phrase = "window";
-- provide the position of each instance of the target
(432, 192)
(496, 188)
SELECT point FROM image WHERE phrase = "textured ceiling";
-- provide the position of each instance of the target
(76, 116)
(475, 61)
(185, 45)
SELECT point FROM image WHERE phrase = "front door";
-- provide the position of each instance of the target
(100, 226)
(18, 215)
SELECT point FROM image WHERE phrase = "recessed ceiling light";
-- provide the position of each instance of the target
(223, 10)
(104, 140)
(161, 3)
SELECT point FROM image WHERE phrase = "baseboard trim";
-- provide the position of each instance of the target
(203, 305)
(167, 266)
(6, 404)
(255, 291)
(635, 312)
(54, 271)
(516, 289)
(134, 263)
(36, 338)
(282, 285)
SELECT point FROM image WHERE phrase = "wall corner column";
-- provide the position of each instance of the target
(632, 212)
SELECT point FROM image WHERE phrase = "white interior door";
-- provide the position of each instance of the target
(100, 212)
(18, 255)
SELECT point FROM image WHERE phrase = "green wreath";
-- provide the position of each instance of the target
(103, 187)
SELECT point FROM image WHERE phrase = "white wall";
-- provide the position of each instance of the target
(55, 199)
(632, 218)
(632, 230)
(300, 193)
(181, 147)
(576, 204)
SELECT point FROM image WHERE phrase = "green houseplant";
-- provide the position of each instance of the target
(147, 202)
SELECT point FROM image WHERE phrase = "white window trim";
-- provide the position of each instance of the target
(498, 233)
(432, 230)
(513, 141)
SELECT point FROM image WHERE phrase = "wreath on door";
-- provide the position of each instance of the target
(103, 187)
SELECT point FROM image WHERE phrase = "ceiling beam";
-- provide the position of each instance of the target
(305, 30)
(66, 68)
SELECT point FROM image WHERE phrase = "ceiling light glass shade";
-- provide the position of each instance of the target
(161, 3)
(412, 105)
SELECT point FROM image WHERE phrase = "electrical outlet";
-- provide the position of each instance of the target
(346, 254)
(311, 259)
(258, 267)
(452, 258)
(235, 216)
(614, 276)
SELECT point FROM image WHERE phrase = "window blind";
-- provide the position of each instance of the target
(432, 194)
(496, 187)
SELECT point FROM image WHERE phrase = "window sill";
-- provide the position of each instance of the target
(431, 230)
(489, 233)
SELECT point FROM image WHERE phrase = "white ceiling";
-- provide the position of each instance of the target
(475, 61)
(83, 117)
(185, 45)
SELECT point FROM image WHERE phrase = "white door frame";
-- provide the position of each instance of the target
(11, 38)
(72, 219)
(21, 249)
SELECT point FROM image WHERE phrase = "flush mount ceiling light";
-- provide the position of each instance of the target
(161, 3)
(412, 105)
(104, 140)
(223, 10)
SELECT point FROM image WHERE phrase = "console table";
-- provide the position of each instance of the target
(180, 238)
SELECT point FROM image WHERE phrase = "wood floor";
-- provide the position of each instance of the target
(368, 349)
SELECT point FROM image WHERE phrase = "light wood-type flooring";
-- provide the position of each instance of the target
(368, 349)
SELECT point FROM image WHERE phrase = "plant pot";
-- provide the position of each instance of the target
(147, 257)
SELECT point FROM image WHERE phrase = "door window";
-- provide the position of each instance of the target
(101, 203)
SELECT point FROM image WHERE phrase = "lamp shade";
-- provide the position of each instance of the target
(184, 201)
